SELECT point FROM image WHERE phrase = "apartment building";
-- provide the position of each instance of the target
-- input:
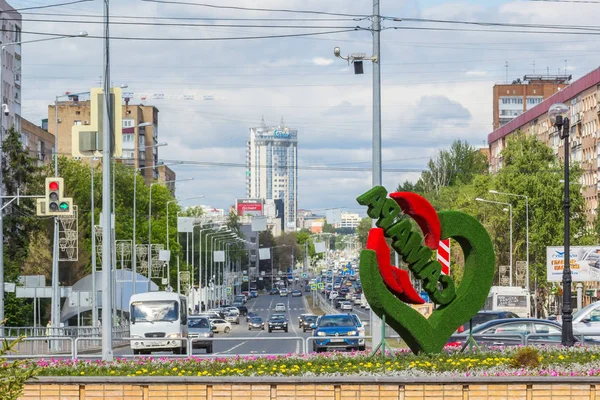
(512, 100)
(583, 99)
(139, 128)
(39, 142)
(11, 66)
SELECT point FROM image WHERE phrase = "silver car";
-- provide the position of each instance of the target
(199, 328)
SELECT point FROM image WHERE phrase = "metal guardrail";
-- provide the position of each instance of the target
(38, 347)
(71, 331)
(251, 338)
(78, 340)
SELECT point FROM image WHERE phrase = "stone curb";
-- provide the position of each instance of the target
(446, 380)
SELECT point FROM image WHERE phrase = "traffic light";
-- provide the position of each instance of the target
(55, 203)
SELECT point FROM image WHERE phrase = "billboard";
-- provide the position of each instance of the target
(249, 207)
(584, 260)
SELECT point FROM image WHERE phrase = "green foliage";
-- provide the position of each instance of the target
(363, 230)
(430, 335)
(13, 375)
(192, 211)
(526, 357)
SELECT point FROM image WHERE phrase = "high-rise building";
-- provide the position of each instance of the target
(11, 66)
(272, 161)
(140, 134)
(583, 99)
(513, 99)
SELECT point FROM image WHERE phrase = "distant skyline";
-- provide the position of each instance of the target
(437, 85)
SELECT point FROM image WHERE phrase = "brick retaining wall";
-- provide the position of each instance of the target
(346, 388)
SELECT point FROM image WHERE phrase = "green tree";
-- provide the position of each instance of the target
(362, 230)
(192, 211)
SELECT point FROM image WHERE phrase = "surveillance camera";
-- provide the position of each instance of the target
(5, 109)
(337, 52)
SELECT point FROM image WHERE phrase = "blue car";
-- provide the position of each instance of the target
(342, 329)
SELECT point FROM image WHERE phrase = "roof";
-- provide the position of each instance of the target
(583, 83)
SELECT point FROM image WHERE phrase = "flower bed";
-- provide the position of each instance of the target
(577, 361)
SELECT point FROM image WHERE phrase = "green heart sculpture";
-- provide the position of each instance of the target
(386, 288)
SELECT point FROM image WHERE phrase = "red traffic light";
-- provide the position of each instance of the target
(53, 185)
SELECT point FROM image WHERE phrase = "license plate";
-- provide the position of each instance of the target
(337, 340)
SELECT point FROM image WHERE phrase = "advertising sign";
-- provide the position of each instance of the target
(249, 207)
(584, 260)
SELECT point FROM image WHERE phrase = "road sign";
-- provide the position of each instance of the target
(351, 272)
(443, 255)
(245, 279)
(320, 285)
(329, 273)
(305, 275)
(313, 286)
(228, 290)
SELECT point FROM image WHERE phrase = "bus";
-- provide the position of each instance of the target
(158, 315)
(509, 298)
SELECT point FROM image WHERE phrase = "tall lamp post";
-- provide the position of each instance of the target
(527, 283)
(134, 239)
(150, 226)
(510, 279)
(558, 115)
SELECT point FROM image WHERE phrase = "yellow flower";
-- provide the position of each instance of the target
(82, 373)
(174, 369)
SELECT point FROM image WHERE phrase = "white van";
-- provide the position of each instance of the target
(509, 298)
(158, 315)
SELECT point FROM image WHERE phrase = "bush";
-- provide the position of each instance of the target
(527, 357)
(13, 374)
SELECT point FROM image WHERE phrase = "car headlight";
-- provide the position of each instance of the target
(352, 333)
(285, 323)
(206, 334)
(321, 334)
(173, 335)
(137, 336)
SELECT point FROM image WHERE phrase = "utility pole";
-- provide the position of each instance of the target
(107, 351)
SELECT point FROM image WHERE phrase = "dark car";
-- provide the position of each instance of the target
(277, 322)
(199, 328)
(256, 323)
(296, 293)
(512, 332)
(341, 328)
(253, 294)
(251, 314)
(307, 288)
(243, 310)
(484, 316)
(274, 291)
(338, 300)
(306, 321)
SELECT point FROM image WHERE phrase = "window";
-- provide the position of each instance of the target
(128, 138)
(512, 328)
(77, 122)
(77, 112)
(543, 328)
(128, 123)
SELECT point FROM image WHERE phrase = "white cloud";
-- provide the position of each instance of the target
(476, 73)
(321, 61)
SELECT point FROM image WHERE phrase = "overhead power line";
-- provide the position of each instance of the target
(258, 9)
(502, 24)
(198, 39)
(46, 6)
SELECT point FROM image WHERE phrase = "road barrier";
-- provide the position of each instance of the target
(252, 338)
(332, 338)
(121, 341)
(40, 347)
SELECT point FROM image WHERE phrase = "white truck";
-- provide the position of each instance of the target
(363, 302)
(509, 298)
(157, 315)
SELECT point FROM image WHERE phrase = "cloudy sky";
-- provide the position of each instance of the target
(436, 84)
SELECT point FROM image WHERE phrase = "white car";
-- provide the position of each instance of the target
(221, 325)
(333, 294)
(345, 306)
(357, 300)
(280, 307)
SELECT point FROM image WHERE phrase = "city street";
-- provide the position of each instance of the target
(254, 342)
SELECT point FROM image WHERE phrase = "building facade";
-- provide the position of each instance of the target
(39, 142)
(272, 168)
(583, 99)
(512, 100)
(348, 220)
(140, 134)
(11, 67)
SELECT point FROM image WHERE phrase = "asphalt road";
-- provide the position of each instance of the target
(241, 341)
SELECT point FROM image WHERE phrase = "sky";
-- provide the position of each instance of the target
(436, 85)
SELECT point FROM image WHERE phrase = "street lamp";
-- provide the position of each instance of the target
(150, 226)
(510, 279)
(558, 115)
(133, 249)
(527, 283)
(55, 303)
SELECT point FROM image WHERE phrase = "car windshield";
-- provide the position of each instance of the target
(233, 314)
(198, 323)
(336, 321)
(310, 318)
(584, 310)
(256, 320)
(153, 311)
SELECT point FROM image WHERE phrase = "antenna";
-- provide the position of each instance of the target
(533, 66)
(565, 66)
(506, 66)
(548, 71)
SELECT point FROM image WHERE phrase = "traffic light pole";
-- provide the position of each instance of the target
(107, 351)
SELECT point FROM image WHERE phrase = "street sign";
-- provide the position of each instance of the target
(245, 279)
(228, 290)
(305, 275)
(313, 286)
(320, 285)
(329, 273)
(351, 272)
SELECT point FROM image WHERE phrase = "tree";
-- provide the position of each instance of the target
(192, 211)
(20, 174)
(362, 230)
